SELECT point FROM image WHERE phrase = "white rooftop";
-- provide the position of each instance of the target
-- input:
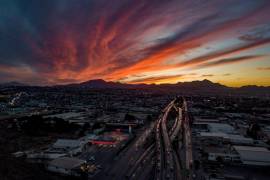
(66, 163)
(67, 115)
(254, 155)
(206, 120)
(67, 143)
(220, 127)
(232, 137)
(46, 155)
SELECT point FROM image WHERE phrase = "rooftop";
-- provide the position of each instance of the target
(66, 162)
(62, 143)
(254, 155)
(220, 127)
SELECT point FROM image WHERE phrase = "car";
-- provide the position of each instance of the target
(92, 158)
(99, 166)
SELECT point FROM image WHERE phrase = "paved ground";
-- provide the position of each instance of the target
(117, 166)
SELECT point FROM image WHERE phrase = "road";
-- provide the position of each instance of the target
(168, 154)
(168, 162)
(188, 143)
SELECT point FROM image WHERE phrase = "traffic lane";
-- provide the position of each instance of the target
(126, 160)
(146, 170)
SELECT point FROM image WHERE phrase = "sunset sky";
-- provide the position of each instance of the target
(46, 42)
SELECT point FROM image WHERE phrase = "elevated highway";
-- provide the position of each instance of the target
(162, 155)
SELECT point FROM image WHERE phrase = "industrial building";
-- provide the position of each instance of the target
(255, 156)
(66, 165)
(69, 146)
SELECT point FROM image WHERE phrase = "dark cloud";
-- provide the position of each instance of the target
(228, 61)
(225, 51)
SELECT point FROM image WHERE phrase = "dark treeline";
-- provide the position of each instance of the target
(37, 125)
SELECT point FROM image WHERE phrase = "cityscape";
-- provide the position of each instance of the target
(145, 133)
(134, 90)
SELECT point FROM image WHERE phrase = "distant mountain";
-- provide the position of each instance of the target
(12, 84)
(193, 87)
(98, 83)
(204, 84)
(198, 87)
(101, 84)
(254, 90)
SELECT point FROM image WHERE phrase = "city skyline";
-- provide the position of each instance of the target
(62, 42)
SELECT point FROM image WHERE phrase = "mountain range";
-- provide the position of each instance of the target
(204, 86)
(193, 87)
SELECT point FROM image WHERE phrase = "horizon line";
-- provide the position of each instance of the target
(125, 83)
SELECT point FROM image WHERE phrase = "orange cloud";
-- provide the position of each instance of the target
(263, 68)
(158, 80)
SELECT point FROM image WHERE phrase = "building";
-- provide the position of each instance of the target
(226, 157)
(257, 156)
(43, 156)
(223, 154)
(105, 140)
(66, 165)
(69, 146)
(220, 127)
(226, 138)
(214, 127)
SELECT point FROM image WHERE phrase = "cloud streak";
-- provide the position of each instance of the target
(228, 61)
(62, 41)
(158, 80)
(263, 68)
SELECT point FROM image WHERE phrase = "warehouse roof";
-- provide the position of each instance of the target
(232, 137)
(254, 155)
(220, 127)
(64, 143)
(66, 163)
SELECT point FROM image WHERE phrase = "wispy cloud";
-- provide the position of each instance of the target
(207, 75)
(263, 68)
(228, 61)
(159, 79)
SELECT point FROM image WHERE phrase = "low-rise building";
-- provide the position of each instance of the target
(220, 127)
(257, 156)
(226, 157)
(226, 138)
(222, 154)
(69, 146)
(66, 165)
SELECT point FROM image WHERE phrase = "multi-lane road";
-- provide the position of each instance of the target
(187, 140)
(164, 148)
(161, 160)
(168, 154)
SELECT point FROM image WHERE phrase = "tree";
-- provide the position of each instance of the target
(129, 117)
(149, 118)
(220, 159)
